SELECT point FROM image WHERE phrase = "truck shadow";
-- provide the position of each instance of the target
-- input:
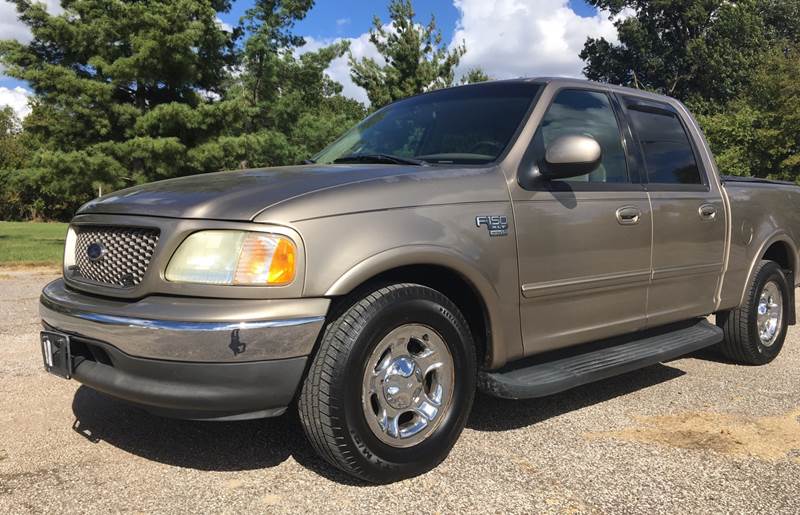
(258, 444)
(711, 354)
(211, 446)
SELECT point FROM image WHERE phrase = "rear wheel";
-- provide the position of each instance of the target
(391, 386)
(755, 331)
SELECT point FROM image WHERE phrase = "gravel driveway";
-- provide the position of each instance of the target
(692, 435)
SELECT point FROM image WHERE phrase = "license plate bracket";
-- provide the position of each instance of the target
(56, 353)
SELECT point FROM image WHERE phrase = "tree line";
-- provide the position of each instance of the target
(128, 92)
(735, 64)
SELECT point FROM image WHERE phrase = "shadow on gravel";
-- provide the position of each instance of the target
(491, 414)
(213, 446)
(223, 446)
(711, 354)
(220, 446)
(258, 444)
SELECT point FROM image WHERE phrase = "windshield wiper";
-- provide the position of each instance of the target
(380, 158)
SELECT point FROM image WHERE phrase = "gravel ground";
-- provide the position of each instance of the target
(692, 435)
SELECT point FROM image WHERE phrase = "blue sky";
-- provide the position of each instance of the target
(338, 18)
(505, 38)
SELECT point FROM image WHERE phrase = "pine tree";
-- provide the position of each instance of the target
(131, 91)
(416, 60)
(474, 76)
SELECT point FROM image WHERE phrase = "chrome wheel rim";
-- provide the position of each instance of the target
(408, 385)
(769, 313)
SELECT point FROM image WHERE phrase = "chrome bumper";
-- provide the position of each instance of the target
(188, 329)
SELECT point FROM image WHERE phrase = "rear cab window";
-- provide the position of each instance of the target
(668, 153)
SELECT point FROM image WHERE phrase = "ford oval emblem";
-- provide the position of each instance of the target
(95, 251)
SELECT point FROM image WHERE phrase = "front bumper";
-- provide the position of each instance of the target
(188, 357)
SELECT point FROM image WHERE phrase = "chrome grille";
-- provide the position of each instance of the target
(125, 257)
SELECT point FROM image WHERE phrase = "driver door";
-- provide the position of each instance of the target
(584, 242)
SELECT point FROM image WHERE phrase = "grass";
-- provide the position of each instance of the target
(30, 243)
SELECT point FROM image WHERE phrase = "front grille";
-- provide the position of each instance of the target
(126, 253)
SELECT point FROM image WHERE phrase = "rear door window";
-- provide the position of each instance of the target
(668, 154)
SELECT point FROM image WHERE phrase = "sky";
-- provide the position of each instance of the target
(505, 38)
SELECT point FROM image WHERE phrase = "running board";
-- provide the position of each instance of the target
(561, 370)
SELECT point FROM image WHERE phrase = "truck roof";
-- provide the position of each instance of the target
(567, 81)
(561, 81)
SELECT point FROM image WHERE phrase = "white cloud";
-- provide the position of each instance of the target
(339, 70)
(506, 38)
(224, 26)
(17, 98)
(526, 38)
(12, 28)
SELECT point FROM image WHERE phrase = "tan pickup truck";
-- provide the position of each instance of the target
(522, 237)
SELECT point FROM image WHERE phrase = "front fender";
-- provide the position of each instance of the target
(504, 325)
(345, 251)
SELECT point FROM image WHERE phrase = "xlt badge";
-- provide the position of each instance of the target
(496, 224)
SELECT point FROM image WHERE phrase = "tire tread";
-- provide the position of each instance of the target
(317, 398)
(737, 344)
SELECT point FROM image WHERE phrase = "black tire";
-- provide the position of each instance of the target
(742, 343)
(330, 400)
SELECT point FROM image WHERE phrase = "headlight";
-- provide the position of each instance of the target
(234, 257)
(69, 248)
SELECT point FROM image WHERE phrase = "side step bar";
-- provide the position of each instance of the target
(561, 370)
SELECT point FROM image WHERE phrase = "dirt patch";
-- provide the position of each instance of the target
(9, 482)
(769, 438)
(13, 271)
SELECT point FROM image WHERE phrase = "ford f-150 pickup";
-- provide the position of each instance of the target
(522, 237)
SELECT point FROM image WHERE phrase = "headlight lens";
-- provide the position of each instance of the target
(235, 258)
(69, 248)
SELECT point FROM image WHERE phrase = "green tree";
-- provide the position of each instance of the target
(759, 133)
(12, 148)
(735, 63)
(475, 75)
(15, 150)
(268, 23)
(287, 107)
(415, 58)
(130, 91)
(782, 18)
(696, 50)
(102, 69)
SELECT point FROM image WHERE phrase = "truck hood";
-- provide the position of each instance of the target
(237, 196)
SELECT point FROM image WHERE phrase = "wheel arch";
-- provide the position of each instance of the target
(782, 250)
(783, 253)
(451, 274)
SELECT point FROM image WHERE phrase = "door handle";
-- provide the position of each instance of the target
(628, 215)
(707, 212)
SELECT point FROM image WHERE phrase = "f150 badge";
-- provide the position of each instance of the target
(497, 225)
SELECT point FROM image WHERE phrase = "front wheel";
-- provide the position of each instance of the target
(391, 386)
(754, 332)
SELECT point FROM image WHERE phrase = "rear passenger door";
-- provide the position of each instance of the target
(688, 213)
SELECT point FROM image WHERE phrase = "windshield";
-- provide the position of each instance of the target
(466, 125)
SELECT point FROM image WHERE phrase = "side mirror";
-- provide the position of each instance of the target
(571, 156)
